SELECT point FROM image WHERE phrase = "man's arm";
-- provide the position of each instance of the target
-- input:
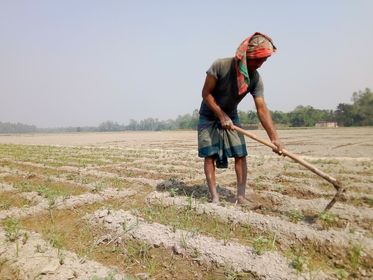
(208, 88)
(266, 120)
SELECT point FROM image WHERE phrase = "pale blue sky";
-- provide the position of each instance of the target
(77, 63)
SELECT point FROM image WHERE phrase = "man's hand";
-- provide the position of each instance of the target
(266, 120)
(226, 122)
(279, 146)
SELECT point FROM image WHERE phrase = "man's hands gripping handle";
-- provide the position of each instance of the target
(226, 121)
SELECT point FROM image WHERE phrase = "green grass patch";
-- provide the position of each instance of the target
(69, 230)
(69, 156)
(188, 219)
(303, 256)
(128, 172)
(46, 188)
(294, 215)
(327, 220)
(32, 169)
(10, 199)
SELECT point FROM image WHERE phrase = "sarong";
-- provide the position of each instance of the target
(220, 143)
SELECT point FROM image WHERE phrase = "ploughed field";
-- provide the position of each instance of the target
(134, 205)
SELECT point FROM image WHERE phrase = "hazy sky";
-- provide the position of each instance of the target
(77, 63)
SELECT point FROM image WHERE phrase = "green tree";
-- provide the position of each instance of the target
(110, 126)
(183, 122)
(194, 120)
(309, 116)
(363, 107)
(244, 118)
(280, 117)
(252, 117)
(6, 127)
(344, 114)
(359, 113)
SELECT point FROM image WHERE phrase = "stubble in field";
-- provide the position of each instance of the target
(125, 205)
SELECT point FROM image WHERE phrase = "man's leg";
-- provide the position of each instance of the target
(211, 179)
(241, 172)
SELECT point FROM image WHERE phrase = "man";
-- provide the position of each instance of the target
(227, 82)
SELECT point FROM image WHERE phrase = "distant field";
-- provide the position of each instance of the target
(134, 205)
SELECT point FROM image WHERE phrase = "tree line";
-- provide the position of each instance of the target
(7, 127)
(359, 113)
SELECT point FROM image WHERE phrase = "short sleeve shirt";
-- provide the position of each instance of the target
(226, 90)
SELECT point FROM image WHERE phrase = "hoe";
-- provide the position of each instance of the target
(337, 185)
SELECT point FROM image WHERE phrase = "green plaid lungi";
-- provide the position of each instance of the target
(221, 143)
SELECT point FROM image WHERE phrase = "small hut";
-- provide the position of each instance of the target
(326, 124)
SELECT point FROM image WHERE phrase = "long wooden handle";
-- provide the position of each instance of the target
(309, 166)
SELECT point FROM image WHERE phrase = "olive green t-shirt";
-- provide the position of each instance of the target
(226, 90)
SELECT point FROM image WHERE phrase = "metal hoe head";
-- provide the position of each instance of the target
(340, 190)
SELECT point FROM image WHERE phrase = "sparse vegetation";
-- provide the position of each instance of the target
(12, 232)
(295, 215)
(264, 243)
(355, 256)
(56, 172)
(10, 199)
(230, 274)
(327, 219)
(299, 263)
(70, 231)
(11, 227)
(341, 273)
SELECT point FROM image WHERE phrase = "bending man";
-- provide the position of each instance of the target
(227, 82)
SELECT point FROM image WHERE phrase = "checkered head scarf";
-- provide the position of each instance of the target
(256, 46)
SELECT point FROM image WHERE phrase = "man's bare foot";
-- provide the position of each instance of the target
(243, 201)
(214, 195)
(215, 199)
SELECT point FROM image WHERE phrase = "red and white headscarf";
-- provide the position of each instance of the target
(255, 46)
